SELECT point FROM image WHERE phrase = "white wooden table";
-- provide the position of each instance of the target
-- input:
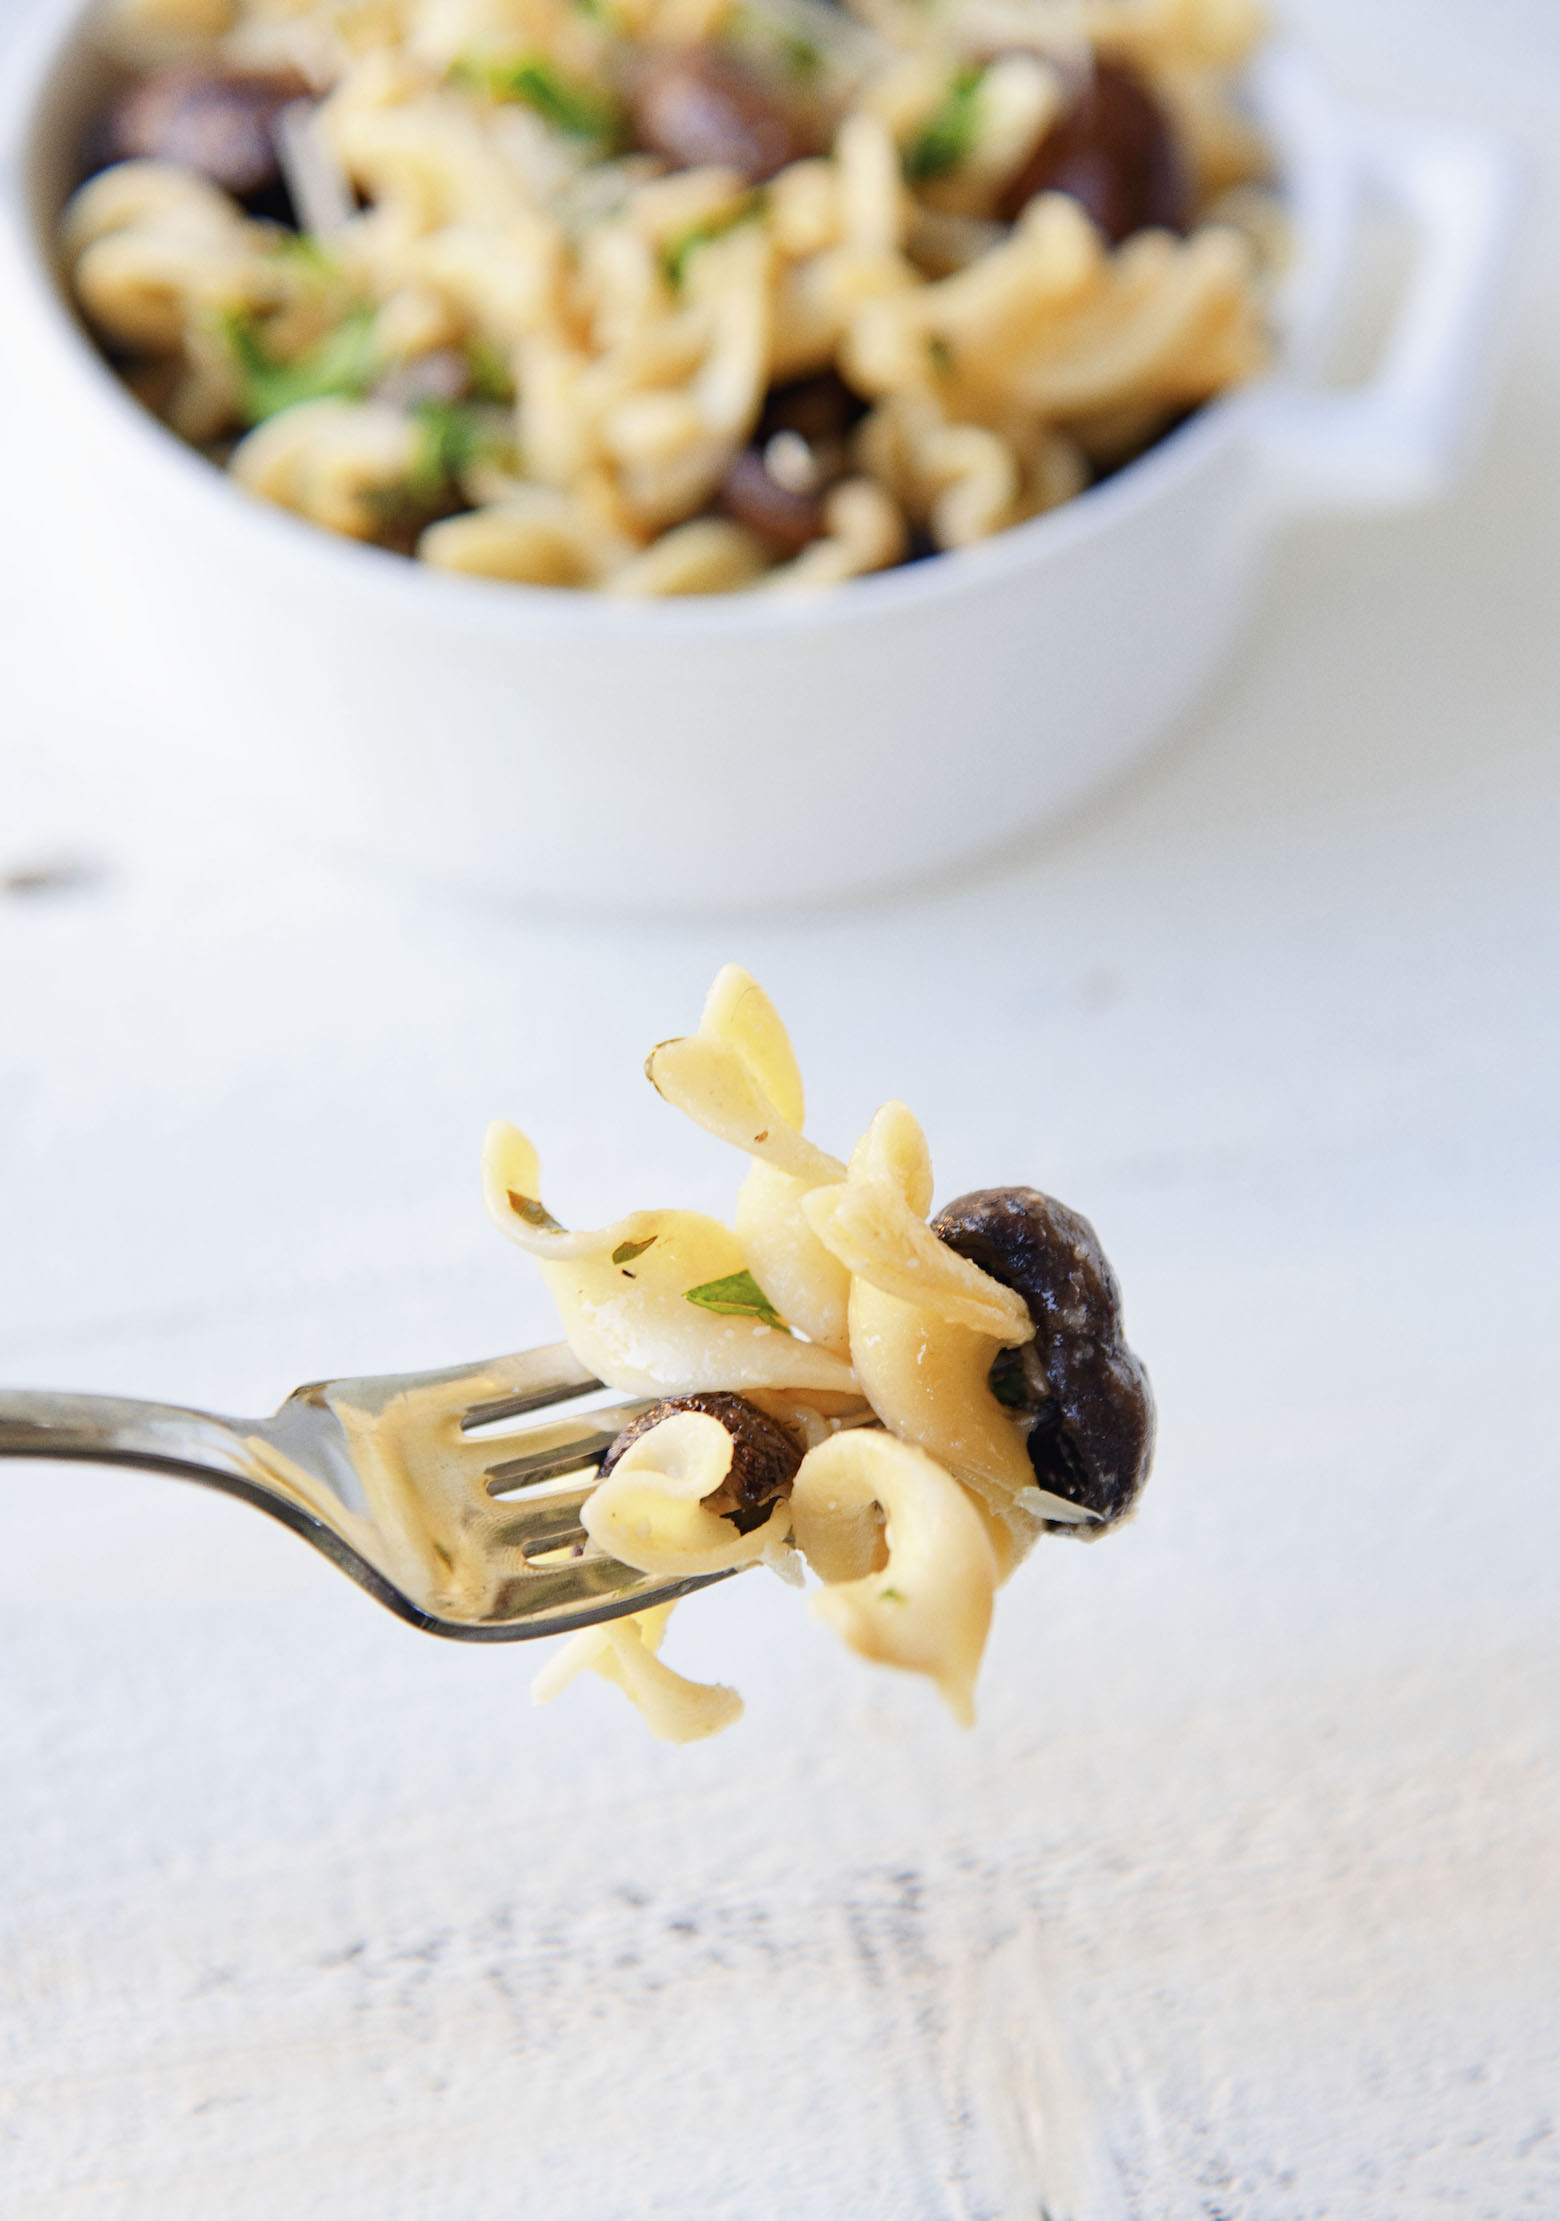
(1242, 1900)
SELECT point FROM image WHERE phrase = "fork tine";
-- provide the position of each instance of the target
(387, 1477)
(569, 1447)
(521, 1401)
(437, 1411)
(550, 1524)
(494, 1388)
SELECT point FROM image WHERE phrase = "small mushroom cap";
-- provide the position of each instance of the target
(1087, 1397)
(699, 106)
(782, 516)
(764, 1457)
(218, 121)
(1113, 151)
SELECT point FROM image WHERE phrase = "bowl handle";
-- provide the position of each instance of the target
(1401, 438)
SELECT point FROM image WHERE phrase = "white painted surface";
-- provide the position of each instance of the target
(1241, 1902)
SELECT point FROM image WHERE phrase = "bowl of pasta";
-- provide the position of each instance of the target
(803, 444)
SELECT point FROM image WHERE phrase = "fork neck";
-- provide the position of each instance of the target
(119, 1430)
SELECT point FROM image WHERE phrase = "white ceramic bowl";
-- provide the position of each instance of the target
(735, 750)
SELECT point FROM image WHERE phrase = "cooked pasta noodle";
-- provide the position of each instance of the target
(624, 1652)
(835, 1378)
(963, 254)
(649, 1511)
(928, 1607)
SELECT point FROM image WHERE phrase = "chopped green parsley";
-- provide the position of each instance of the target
(343, 364)
(949, 133)
(305, 251)
(451, 437)
(571, 105)
(534, 1213)
(491, 378)
(1007, 1382)
(738, 1296)
(677, 252)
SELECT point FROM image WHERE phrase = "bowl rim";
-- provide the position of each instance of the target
(1288, 91)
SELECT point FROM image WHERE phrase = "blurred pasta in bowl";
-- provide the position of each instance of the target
(831, 440)
(671, 297)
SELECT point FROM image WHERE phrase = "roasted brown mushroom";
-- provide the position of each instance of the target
(764, 1458)
(786, 516)
(1081, 1395)
(799, 451)
(696, 105)
(822, 409)
(219, 122)
(1113, 151)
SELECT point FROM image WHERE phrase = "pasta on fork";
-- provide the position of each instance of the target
(901, 1405)
(670, 297)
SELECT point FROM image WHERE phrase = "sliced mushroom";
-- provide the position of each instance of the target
(764, 1458)
(786, 516)
(1081, 1394)
(1113, 151)
(219, 122)
(822, 410)
(777, 486)
(697, 106)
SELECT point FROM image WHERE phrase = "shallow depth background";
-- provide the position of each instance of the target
(1241, 1901)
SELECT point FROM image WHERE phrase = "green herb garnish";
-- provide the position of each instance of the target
(676, 253)
(1006, 1380)
(491, 378)
(776, 43)
(626, 1252)
(451, 436)
(304, 250)
(569, 104)
(341, 365)
(738, 1296)
(941, 356)
(800, 55)
(892, 1596)
(949, 133)
(534, 1213)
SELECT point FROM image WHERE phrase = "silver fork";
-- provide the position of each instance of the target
(408, 1482)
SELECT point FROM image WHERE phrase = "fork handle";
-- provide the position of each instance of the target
(196, 1446)
(117, 1430)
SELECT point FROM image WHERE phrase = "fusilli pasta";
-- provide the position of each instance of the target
(532, 288)
(894, 1406)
